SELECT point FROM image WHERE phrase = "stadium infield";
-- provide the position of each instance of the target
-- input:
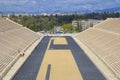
(58, 58)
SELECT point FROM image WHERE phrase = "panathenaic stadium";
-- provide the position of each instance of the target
(93, 54)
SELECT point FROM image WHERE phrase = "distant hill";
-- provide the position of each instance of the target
(116, 9)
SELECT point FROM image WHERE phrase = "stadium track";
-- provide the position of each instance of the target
(30, 68)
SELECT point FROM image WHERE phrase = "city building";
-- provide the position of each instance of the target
(75, 23)
(95, 21)
(84, 24)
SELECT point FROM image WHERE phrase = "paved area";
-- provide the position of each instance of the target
(30, 68)
(56, 60)
(59, 41)
(21, 61)
(88, 70)
(63, 65)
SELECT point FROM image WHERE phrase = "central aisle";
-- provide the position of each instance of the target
(61, 62)
(58, 58)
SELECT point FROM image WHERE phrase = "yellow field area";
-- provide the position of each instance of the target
(63, 66)
(60, 40)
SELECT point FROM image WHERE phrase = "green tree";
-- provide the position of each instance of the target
(67, 27)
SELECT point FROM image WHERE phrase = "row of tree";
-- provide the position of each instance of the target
(47, 23)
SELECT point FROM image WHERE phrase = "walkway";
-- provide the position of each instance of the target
(58, 58)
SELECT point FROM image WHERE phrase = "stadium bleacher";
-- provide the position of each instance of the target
(14, 39)
(104, 40)
(110, 24)
(6, 24)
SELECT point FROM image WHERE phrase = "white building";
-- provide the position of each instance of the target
(82, 23)
(75, 23)
(95, 21)
(86, 23)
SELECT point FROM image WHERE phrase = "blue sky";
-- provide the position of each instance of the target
(56, 5)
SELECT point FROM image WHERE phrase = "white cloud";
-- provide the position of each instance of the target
(118, 1)
(44, 0)
(41, 5)
(87, 6)
(34, 2)
(67, 1)
(13, 1)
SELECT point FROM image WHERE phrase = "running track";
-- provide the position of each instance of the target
(30, 68)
